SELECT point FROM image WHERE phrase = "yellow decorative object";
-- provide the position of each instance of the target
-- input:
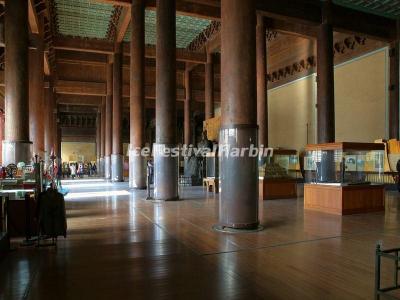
(212, 127)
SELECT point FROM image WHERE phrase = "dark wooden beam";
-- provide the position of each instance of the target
(123, 24)
(372, 26)
(74, 57)
(98, 89)
(298, 29)
(83, 45)
(106, 47)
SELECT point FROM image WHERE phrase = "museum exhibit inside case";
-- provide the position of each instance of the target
(337, 177)
(278, 175)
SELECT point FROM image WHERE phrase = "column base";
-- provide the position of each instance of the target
(238, 207)
(107, 167)
(15, 152)
(165, 174)
(224, 229)
(117, 168)
(137, 170)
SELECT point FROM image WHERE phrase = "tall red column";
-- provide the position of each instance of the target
(165, 165)
(209, 87)
(103, 136)
(325, 78)
(98, 137)
(238, 174)
(137, 163)
(48, 120)
(36, 92)
(187, 110)
(2, 121)
(394, 94)
(16, 146)
(108, 127)
(117, 159)
(262, 93)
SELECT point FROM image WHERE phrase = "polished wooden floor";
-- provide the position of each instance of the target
(120, 246)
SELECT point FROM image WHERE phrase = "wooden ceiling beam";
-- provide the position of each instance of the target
(98, 90)
(369, 25)
(75, 57)
(78, 100)
(35, 28)
(301, 30)
(123, 24)
(105, 47)
(33, 18)
(83, 45)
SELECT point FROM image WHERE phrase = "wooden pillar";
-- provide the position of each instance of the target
(165, 166)
(2, 123)
(36, 92)
(262, 93)
(103, 136)
(394, 95)
(117, 160)
(137, 164)
(325, 78)
(187, 110)
(209, 87)
(55, 127)
(238, 174)
(16, 146)
(98, 136)
(59, 141)
(48, 120)
(108, 129)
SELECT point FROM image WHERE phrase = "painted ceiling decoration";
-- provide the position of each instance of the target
(187, 29)
(83, 18)
(90, 19)
(385, 8)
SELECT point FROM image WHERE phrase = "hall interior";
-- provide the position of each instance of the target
(88, 86)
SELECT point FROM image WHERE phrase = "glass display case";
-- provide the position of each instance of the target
(283, 163)
(278, 175)
(338, 177)
(344, 163)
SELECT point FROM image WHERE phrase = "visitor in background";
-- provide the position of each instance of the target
(89, 169)
(80, 170)
(72, 167)
(94, 169)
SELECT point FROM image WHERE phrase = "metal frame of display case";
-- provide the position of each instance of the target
(343, 199)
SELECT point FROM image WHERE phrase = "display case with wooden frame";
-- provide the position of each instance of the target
(278, 177)
(336, 176)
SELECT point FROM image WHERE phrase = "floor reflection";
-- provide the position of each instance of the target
(120, 245)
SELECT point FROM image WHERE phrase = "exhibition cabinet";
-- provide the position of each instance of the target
(336, 177)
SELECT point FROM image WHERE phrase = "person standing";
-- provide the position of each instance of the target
(72, 167)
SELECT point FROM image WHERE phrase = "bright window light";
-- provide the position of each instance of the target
(88, 185)
(67, 181)
(73, 196)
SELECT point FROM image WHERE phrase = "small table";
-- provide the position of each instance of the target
(212, 184)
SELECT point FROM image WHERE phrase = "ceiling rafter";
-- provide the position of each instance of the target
(119, 23)
(113, 23)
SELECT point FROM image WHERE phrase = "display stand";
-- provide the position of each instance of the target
(280, 176)
(336, 176)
